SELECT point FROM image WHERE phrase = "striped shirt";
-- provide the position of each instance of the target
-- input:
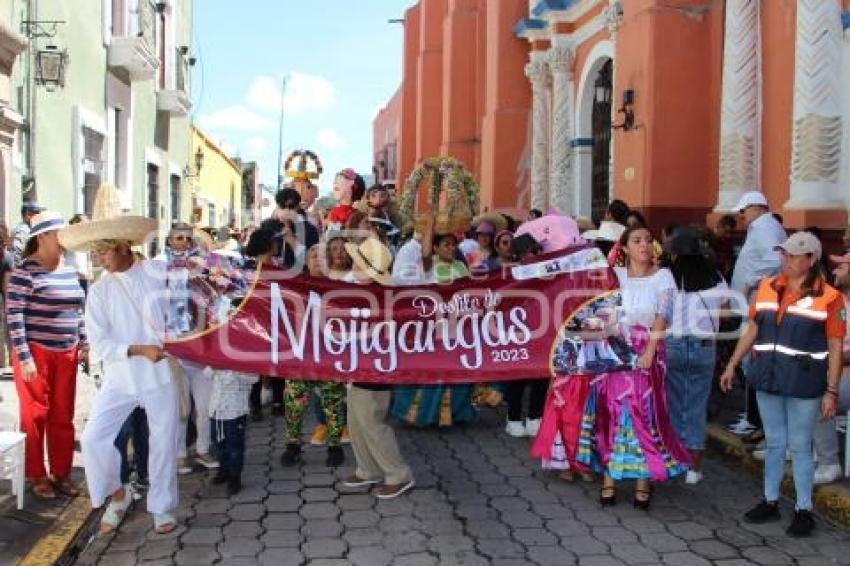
(45, 308)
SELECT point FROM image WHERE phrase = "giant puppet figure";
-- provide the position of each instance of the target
(348, 189)
(303, 167)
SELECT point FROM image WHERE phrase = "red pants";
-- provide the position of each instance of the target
(47, 409)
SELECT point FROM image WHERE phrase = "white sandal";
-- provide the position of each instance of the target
(164, 523)
(115, 512)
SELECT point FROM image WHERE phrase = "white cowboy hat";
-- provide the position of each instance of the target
(108, 224)
(46, 221)
(373, 258)
(608, 230)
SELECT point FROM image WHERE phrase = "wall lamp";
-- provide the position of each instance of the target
(628, 112)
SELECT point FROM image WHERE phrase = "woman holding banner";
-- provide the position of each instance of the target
(441, 405)
(626, 430)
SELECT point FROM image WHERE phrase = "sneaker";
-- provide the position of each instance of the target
(764, 512)
(234, 485)
(391, 491)
(335, 456)
(532, 427)
(743, 426)
(292, 455)
(320, 435)
(515, 429)
(207, 461)
(693, 477)
(802, 525)
(184, 467)
(827, 474)
(346, 436)
(356, 481)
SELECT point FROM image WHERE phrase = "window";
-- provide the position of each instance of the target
(93, 145)
(211, 215)
(153, 191)
(175, 198)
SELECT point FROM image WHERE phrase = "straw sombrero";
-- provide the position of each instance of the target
(497, 220)
(107, 224)
(372, 257)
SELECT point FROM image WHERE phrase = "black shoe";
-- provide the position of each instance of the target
(234, 485)
(256, 414)
(764, 512)
(221, 477)
(802, 525)
(278, 410)
(608, 496)
(292, 455)
(335, 457)
(643, 499)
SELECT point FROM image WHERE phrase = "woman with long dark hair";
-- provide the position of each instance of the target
(690, 341)
(627, 432)
(795, 330)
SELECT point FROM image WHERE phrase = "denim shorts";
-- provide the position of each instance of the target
(690, 369)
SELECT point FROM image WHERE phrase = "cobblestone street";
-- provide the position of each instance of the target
(479, 500)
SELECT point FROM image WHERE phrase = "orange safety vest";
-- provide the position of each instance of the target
(791, 354)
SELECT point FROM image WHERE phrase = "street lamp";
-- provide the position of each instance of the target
(50, 67)
(199, 164)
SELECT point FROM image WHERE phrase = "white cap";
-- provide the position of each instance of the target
(751, 198)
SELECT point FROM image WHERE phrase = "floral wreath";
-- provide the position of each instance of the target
(301, 173)
(449, 174)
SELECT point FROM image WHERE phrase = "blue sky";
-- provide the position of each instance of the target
(343, 60)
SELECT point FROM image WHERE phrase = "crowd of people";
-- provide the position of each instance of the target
(642, 417)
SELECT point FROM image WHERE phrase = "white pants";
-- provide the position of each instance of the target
(101, 459)
(199, 385)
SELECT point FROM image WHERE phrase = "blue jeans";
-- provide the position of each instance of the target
(690, 369)
(135, 428)
(229, 439)
(789, 422)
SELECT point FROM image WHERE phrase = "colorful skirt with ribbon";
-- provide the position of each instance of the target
(557, 441)
(625, 429)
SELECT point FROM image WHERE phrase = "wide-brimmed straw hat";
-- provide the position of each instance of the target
(608, 230)
(108, 224)
(496, 220)
(373, 258)
(45, 222)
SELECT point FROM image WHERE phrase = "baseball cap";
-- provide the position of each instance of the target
(802, 243)
(751, 198)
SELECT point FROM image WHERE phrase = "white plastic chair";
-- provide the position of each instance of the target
(12, 461)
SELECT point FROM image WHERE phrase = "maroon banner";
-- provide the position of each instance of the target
(499, 327)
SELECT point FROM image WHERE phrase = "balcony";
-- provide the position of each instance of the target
(134, 51)
(176, 100)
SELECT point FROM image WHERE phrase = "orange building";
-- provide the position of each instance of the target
(675, 106)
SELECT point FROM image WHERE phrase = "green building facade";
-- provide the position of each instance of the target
(120, 113)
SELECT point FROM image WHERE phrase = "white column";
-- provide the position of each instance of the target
(740, 127)
(845, 97)
(537, 72)
(560, 153)
(816, 156)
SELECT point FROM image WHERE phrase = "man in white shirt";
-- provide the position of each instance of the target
(125, 319)
(758, 258)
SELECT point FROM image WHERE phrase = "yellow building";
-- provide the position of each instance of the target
(217, 188)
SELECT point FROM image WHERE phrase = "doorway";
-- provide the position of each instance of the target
(601, 155)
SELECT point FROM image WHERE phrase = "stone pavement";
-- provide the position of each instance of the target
(479, 500)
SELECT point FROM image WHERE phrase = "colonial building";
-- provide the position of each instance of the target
(216, 188)
(104, 90)
(462, 93)
(675, 106)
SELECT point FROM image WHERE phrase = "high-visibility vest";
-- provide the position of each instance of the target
(791, 355)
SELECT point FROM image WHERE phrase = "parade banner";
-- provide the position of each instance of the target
(503, 326)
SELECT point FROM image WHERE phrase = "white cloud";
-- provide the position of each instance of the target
(303, 93)
(256, 145)
(328, 138)
(235, 117)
